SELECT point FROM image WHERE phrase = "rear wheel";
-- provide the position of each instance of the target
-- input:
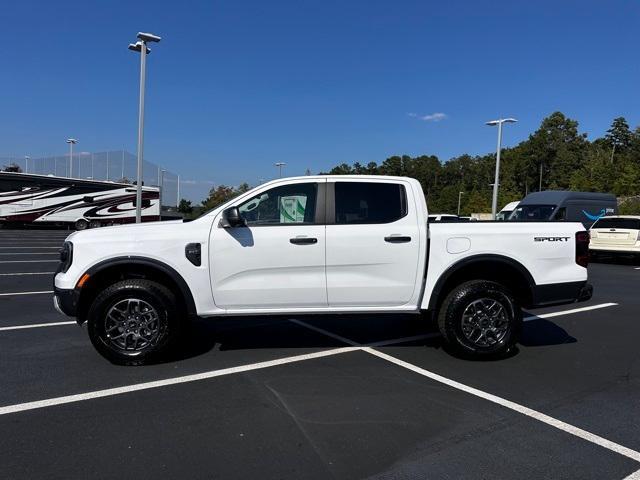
(81, 224)
(480, 318)
(133, 322)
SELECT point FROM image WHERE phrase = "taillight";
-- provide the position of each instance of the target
(582, 249)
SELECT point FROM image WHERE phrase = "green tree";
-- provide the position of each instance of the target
(185, 207)
(12, 167)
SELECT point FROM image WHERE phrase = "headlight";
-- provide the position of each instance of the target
(66, 256)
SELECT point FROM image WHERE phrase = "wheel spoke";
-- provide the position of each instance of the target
(485, 322)
(132, 325)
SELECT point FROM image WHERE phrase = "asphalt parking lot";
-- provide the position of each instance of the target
(318, 397)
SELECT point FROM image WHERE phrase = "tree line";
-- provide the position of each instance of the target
(557, 156)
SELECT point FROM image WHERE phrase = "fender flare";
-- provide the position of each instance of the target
(465, 262)
(153, 263)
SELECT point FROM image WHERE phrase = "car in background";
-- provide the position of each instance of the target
(563, 206)
(615, 234)
(507, 210)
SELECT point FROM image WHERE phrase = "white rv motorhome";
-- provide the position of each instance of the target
(46, 199)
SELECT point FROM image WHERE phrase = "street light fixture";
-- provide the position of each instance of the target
(141, 46)
(279, 165)
(492, 123)
(71, 142)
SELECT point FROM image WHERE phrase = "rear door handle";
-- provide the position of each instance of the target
(303, 240)
(397, 239)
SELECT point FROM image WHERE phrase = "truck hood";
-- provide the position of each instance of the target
(132, 231)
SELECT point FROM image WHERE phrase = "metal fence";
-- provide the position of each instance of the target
(115, 166)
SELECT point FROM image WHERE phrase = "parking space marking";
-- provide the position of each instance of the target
(136, 387)
(569, 312)
(25, 273)
(634, 476)
(36, 325)
(29, 253)
(28, 261)
(566, 427)
(382, 343)
(24, 293)
(324, 332)
(29, 246)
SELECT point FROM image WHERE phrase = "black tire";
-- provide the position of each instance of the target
(81, 224)
(143, 301)
(483, 309)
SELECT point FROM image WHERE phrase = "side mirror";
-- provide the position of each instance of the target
(231, 218)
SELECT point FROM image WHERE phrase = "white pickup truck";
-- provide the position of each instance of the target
(325, 244)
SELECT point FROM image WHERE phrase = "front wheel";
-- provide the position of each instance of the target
(133, 322)
(480, 318)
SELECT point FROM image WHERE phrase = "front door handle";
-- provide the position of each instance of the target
(397, 239)
(303, 240)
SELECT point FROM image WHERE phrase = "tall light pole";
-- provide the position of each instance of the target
(160, 189)
(141, 46)
(178, 195)
(279, 165)
(71, 142)
(499, 122)
(26, 163)
(459, 199)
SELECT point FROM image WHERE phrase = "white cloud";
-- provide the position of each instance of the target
(434, 117)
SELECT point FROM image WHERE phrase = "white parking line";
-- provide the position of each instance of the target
(36, 325)
(24, 293)
(28, 261)
(25, 273)
(566, 427)
(634, 476)
(50, 402)
(29, 246)
(29, 253)
(541, 417)
(568, 312)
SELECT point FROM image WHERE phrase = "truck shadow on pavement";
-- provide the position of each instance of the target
(274, 333)
(541, 333)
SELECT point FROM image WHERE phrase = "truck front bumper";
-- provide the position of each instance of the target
(66, 301)
(557, 293)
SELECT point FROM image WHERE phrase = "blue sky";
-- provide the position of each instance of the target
(235, 85)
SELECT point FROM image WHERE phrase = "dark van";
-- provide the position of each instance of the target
(561, 206)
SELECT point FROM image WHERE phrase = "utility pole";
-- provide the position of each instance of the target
(459, 199)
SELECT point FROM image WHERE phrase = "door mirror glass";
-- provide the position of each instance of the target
(231, 218)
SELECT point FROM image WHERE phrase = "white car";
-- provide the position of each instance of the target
(613, 234)
(324, 244)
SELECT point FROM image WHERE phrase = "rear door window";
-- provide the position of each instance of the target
(366, 203)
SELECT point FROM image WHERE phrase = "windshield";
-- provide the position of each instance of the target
(532, 213)
(625, 223)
